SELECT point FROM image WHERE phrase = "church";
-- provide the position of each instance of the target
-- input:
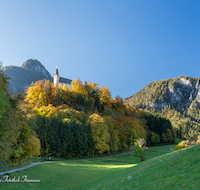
(60, 81)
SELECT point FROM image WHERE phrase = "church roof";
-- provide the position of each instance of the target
(64, 80)
(61, 79)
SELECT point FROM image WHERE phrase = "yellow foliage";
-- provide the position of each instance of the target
(62, 107)
(182, 145)
(33, 147)
(100, 133)
(105, 96)
(47, 111)
(41, 93)
(77, 86)
(63, 88)
(67, 120)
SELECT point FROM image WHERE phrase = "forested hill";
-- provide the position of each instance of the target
(21, 77)
(80, 122)
(181, 93)
(176, 98)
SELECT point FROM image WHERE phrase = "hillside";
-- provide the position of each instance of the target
(162, 170)
(176, 170)
(182, 93)
(80, 122)
(21, 77)
(176, 98)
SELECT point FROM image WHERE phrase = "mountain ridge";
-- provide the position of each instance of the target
(181, 93)
(178, 99)
(21, 77)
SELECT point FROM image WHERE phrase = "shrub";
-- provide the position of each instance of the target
(182, 145)
(139, 151)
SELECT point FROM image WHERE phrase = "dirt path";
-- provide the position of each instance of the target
(25, 167)
(36, 163)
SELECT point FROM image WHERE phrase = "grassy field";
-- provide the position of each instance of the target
(179, 170)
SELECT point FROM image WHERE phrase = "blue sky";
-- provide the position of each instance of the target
(120, 44)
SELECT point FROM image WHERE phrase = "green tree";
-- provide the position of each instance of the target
(153, 138)
(157, 139)
(4, 98)
(164, 137)
(170, 136)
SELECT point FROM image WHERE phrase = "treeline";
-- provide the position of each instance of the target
(160, 129)
(72, 123)
(70, 133)
(18, 142)
(184, 114)
(64, 137)
(185, 125)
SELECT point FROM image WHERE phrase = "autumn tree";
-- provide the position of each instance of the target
(100, 133)
(105, 99)
(41, 93)
(114, 139)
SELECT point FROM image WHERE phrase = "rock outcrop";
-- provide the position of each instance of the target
(21, 77)
(180, 93)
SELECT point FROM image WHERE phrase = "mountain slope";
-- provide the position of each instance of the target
(21, 77)
(178, 99)
(181, 93)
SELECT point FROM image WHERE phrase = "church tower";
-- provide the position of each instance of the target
(56, 77)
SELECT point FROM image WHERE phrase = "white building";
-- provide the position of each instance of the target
(60, 81)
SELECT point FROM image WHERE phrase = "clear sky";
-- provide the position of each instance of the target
(120, 44)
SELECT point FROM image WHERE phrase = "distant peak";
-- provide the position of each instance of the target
(31, 62)
(35, 65)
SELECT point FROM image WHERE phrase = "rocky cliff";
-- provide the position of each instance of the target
(21, 77)
(181, 93)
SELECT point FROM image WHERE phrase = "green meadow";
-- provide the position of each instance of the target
(162, 169)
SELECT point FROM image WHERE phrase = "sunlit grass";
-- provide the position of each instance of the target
(98, 166)
(91, 174)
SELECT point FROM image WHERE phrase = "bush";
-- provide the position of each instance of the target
(139, 151)
(182, 145)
